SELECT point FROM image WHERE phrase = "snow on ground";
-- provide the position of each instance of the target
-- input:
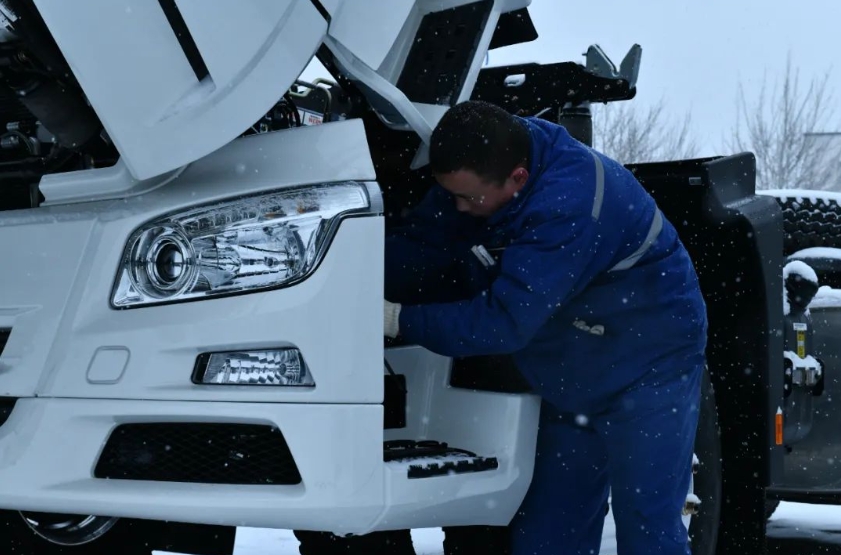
(793, 528)
(805, 529)
(429, 541)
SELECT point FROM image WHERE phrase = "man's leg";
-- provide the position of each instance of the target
(564, 510)
(650, 437)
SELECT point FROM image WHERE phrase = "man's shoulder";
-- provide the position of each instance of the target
(568, 177)
(551, 205)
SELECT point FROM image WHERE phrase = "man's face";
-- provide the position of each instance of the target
(479, 197)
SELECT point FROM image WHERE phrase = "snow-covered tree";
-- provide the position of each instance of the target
(626, 132)
(780, 126)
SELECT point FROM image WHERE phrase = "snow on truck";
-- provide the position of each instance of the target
(191, 246)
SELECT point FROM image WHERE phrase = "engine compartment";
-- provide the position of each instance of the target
(46, 124)
(49, 124)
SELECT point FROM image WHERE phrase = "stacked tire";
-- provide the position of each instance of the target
(812, 219)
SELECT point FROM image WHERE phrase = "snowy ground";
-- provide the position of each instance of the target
(795, 529)
(805, 530)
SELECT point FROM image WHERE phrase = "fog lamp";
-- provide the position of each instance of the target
(281, 367)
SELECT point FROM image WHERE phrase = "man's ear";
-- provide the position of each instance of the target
(520, 176)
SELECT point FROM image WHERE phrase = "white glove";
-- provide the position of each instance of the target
(391, 319)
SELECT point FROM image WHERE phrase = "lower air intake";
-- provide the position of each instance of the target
(243, 454)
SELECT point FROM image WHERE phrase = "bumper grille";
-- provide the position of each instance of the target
(4, 336)
(243, 454)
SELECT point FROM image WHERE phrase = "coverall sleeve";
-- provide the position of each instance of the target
(547, 265)
(420, 252)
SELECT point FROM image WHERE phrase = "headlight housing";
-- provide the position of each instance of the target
(242, 245)
(271, 367)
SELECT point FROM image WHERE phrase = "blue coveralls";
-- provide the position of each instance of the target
(597, 301)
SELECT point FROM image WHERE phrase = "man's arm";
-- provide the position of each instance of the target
(541, 271)
(420, 253)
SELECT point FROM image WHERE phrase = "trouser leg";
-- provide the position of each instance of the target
(564, 510)
(650, 438)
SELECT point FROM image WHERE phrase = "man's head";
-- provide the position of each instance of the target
(480, 154)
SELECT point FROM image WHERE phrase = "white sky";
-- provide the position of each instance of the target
(694, 53)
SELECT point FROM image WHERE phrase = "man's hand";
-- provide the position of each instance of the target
(391, 319)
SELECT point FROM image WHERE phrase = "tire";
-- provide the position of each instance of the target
(770, 507)
(809, 220)
(703, 528)
(812, 219)
(115, 535)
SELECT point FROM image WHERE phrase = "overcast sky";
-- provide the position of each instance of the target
(694, 53)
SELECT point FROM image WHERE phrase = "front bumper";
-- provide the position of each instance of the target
(49, 449)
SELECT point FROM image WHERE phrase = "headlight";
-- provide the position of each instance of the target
(243, 245)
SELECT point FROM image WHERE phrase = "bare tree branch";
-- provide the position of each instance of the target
(780, 128)
(628, 135)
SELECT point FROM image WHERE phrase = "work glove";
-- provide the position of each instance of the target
(391, 319)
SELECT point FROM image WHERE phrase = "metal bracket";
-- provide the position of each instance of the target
(600, 65)
(531, 89)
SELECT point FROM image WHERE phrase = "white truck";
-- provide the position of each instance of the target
(191, 277)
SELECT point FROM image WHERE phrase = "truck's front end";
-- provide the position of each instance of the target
(192, 278)
(192, 285)
(165, 344)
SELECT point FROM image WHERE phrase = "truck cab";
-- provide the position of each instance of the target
(192, 241)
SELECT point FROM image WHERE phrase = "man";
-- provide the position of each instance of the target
(563, 261)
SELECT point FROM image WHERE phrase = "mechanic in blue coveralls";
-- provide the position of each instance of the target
(595, 298)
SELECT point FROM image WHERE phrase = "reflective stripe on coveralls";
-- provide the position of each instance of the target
(653, 231)
(576, 487)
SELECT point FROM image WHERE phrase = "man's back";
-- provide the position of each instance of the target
(571, 268)
(580, 216)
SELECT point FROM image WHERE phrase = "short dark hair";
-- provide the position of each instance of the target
(481, 137)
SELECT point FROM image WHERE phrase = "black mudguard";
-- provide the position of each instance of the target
(735, 239)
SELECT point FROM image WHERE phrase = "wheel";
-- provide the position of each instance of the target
(770, 506)
(57, 534)
(703, 526)
(810, 220)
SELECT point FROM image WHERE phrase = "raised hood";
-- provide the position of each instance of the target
(174, 80)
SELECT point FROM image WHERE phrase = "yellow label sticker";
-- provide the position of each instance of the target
(801, 344)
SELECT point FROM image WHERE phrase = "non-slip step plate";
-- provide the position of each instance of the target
(430, 458)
